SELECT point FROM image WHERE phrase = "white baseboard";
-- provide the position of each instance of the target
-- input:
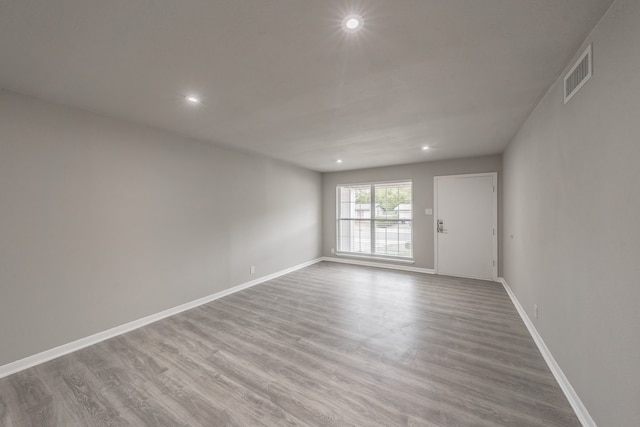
(379, 264)
(45, 356)
(573, 398)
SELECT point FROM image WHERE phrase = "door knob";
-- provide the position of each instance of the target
(440, 226)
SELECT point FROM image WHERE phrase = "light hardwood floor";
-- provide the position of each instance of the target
(331, 344)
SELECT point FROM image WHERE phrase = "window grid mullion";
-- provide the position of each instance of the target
(372, 225)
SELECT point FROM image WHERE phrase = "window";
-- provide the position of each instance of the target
(375, 219)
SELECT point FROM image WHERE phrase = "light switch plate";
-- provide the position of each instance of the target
(428, 211)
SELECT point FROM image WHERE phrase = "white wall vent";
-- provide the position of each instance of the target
(578, 75)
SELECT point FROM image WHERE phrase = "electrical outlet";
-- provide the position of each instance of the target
(333, 251)
(252, 269)
(535, 310)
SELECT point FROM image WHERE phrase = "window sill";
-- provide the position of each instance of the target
(375, 258)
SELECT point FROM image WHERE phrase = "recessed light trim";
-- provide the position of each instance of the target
(192, 99)
(352, 23)
(339, 161)
(425, 148)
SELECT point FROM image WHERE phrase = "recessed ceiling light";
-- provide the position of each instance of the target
(339, 161)
(425, 148)
(352, 23)
(192, 99)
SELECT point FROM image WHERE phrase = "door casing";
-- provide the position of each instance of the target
(494, 176)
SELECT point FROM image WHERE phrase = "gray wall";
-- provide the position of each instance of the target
(103, 222)
(571, 230)
(422, 176)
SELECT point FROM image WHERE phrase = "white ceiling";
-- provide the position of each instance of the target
(281, 78)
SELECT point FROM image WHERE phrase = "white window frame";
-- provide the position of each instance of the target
(372, 255)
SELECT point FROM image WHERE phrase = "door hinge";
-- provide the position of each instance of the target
(494, 262)
(494, 188)
(494, 231)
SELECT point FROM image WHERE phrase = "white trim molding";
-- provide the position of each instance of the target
(45, 356)
(344, 260)
(573, 398)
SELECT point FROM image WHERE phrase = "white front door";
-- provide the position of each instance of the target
(466, 225)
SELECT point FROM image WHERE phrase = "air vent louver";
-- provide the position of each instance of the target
(577, 75)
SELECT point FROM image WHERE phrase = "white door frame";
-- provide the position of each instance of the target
(494, 175)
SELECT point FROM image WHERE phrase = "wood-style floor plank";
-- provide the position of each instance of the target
(328, 345)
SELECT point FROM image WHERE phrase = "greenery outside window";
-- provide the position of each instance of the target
(375, 219)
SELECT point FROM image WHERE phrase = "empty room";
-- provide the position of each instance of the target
(320, 213)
